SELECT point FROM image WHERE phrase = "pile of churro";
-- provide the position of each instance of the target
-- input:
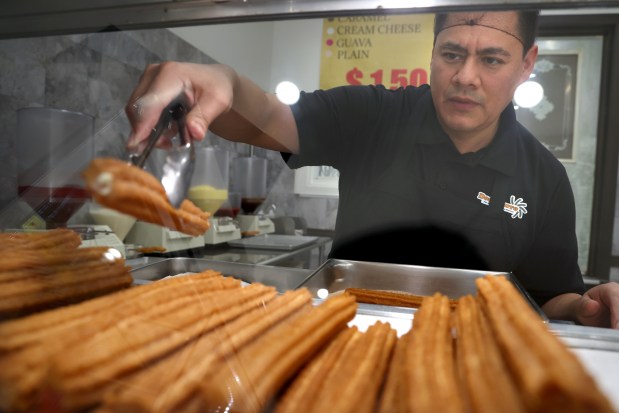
(47, 269)
(204, 343)
(133, 191)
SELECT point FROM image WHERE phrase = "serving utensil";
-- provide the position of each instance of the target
(180, 157)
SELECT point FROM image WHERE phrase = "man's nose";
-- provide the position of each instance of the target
(467, 73)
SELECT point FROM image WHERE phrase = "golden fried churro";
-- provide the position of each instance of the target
(249, 379)
(174, 382)
(481, 366)
(80, 381)
(550, 378)
(16, 334)
(133, 191)
(354, 383)
(39, 240)
(45, 295)
(303, 392)
(23, 372)
(432, 382)
(393, 298)
(33, 280)
(29, 263)
(393, 396)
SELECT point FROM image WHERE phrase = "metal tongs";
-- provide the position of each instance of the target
(180, 157)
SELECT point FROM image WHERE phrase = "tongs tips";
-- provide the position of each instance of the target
(180, 156)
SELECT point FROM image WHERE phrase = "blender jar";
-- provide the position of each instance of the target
(209, 184)
(53, 147)
(250, 180)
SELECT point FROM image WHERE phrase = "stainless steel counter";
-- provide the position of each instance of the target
(309, 256)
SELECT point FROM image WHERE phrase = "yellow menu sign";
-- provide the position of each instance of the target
(392, 50)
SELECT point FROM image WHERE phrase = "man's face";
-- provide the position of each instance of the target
(475, 70)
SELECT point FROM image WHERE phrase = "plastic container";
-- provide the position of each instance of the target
(209, 185)
(231, 207)
(250, 180)
(118, 222)
(53, 147)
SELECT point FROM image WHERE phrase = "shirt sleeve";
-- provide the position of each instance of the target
(337, 124)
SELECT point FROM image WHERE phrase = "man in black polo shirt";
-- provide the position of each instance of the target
(443, 176)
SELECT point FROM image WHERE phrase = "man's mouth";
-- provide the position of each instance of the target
(463, 103)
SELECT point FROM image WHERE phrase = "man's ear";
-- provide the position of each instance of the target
(528, 63)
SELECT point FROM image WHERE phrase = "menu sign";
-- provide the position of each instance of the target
(392, 50)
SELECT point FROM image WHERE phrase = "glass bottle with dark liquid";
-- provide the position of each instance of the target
(249, 205)
(53, 147)
(250, 182)
(54, 205)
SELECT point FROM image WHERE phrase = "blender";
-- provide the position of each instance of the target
(209, 191)
(250, 180)
(53, 147)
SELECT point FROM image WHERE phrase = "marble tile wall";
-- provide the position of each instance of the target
(95, 74)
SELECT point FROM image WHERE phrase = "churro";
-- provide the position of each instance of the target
(80, 381)
(175, 381)
(39, 240)
(549, 377)
(393, 396)
(481, 366)
(247, 381)
(46, 269)
(302, 393)
(353, 384)
(133, 191)
(393, 298)
(23, 372)
(431, 381)
(19, 333)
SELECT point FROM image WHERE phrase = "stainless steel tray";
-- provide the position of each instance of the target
(279, 277)
(337, 275)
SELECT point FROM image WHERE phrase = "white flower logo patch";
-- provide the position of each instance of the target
(516, 207)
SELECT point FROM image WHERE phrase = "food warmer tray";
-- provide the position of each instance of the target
(597, 348)
(335, 275)
(281, 278)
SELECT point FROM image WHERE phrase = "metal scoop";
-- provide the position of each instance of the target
(180, 157)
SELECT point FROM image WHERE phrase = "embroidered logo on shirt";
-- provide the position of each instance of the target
(485, 199)
(516, 207)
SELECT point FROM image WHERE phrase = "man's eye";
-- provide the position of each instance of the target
(492, 61)
(450, 57)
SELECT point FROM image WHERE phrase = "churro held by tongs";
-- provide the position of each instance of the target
(128, 188)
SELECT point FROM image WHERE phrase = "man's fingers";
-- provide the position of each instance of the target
(208, 91)
(589, 308)
(196, 123)
(159, 85)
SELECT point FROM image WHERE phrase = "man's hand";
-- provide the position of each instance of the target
(220, 100)
(599, 306)
(208, 88)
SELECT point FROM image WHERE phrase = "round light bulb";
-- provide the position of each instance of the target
(529, 94)
(287, 92)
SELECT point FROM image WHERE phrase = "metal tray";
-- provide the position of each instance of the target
(279, 277)
(336, 275)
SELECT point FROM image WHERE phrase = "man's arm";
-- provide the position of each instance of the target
(230, 105)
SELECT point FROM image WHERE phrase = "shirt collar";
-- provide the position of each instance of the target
(500, 154)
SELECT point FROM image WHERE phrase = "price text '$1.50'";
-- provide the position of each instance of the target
(397, 78)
